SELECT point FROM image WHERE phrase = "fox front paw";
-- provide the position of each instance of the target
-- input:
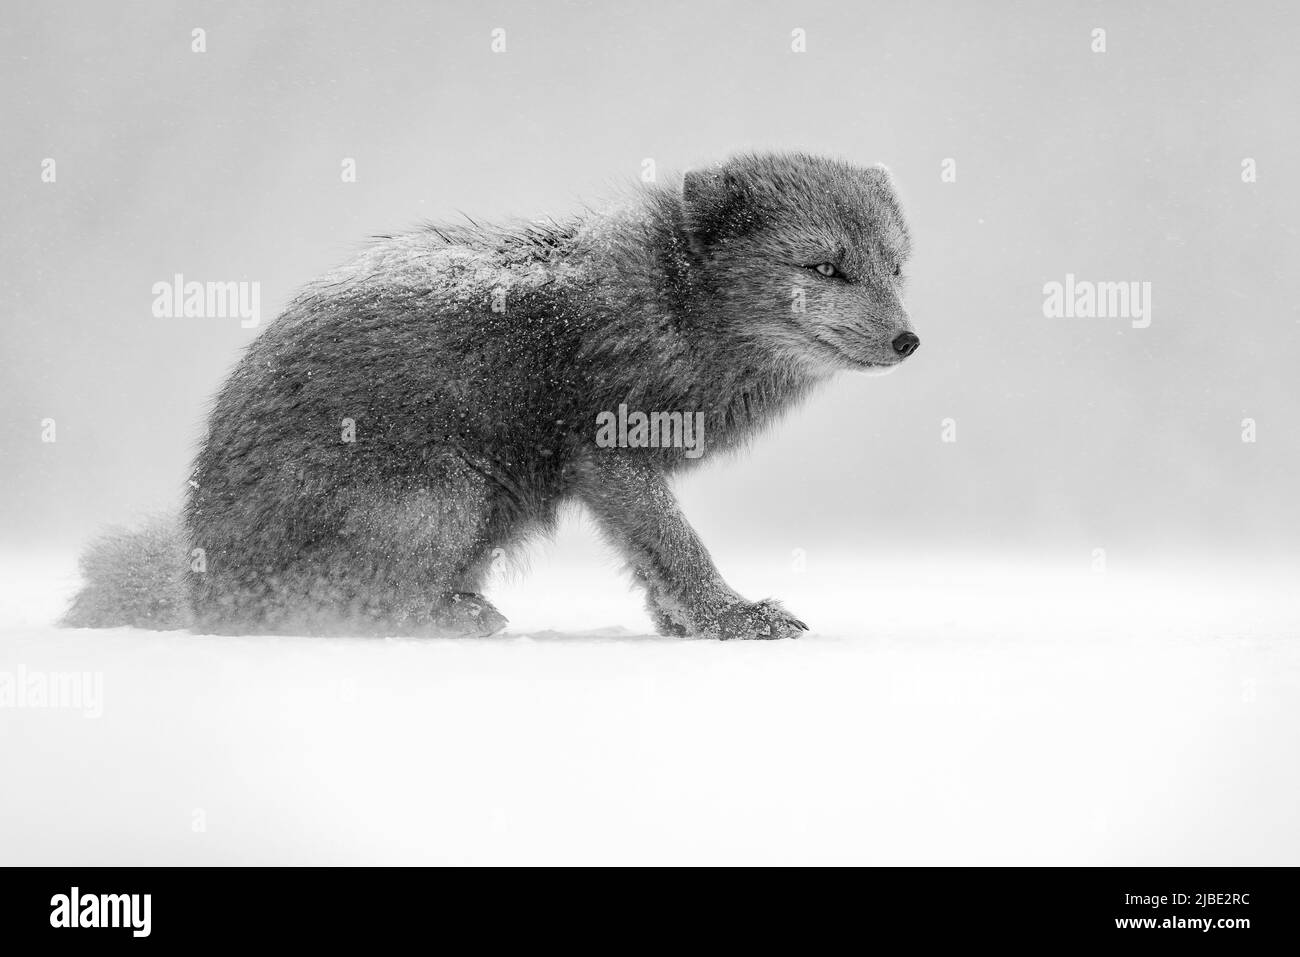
(765, 620)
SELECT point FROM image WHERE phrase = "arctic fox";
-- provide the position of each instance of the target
(439, 398)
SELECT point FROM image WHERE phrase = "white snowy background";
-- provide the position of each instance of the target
(941, 712)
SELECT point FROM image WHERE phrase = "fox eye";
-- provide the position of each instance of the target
(898, 270)
(826, 269)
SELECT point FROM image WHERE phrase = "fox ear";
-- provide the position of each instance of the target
(880, 173)
(717, 204)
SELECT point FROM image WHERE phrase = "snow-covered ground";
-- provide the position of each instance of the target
(943, 711)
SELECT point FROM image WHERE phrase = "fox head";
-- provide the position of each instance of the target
(805, 256)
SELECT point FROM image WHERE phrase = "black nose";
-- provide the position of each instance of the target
(905, 343)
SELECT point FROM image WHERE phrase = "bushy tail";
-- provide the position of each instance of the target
(133, 578)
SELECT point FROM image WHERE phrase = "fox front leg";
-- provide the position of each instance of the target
(685, 595)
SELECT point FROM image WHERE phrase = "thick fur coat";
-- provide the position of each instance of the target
(436, 400)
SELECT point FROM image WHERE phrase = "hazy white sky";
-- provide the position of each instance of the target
(1071, 433)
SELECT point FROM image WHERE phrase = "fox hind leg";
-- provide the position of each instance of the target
(420, 557)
